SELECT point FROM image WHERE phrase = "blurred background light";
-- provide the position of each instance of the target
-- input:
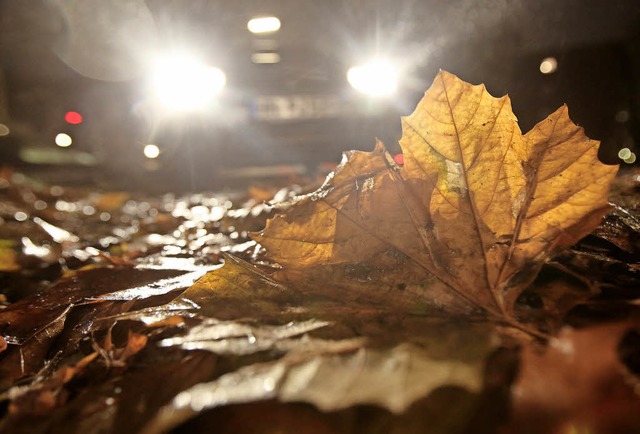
(627, 156)
(63, 140)
(622, 116)
(96, 58)
(151, 151)
(181, 82)
(377, 78)
(73, 118)
(549, 65)
(262, 44)
(263, 25)
(624, 153)
(265, 58)
(48, 156)
(631, 159)
(4, 130)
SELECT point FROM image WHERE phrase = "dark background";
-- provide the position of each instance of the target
(93, 57)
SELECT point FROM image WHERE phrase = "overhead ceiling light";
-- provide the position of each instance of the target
(376, 78)
(181, 82)
(263, 25)
(4, 130)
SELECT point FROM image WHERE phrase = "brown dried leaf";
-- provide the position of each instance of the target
(118, 357)
(578, 383)
(135, 343)
(28, 357)
(330, 380)
(43, 397)
(8, 256)
(236, 290)
(115, 403)
(233, 338)
(477, 206)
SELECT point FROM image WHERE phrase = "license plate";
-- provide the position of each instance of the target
(296, 107)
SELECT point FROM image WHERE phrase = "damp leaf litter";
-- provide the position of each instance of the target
(465, 289)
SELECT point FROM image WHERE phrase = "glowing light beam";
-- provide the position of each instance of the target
(377, 78)
(263, 25)
(151, 151)
(181, 82)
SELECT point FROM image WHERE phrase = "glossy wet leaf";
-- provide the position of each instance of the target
(233, 338)
(319, 374)
(123, 403)
(29, 357)
(477, 205)
(41, 398)
(237, 289)
(354, 326)
(118, 356)
(621, 229)
(582, 370)
(82, 287)
(8, 256)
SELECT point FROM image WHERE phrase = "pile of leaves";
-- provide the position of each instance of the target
(485, 284)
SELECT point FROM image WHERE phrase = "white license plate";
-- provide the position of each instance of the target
(296, 107)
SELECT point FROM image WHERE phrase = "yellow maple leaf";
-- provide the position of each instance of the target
(477, 206)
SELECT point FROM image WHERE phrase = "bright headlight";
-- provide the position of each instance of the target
(181, 82)
(377, 78)
(263, 25)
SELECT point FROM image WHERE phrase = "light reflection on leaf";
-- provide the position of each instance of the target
(227, 337)
(331, 381)
(477, 206)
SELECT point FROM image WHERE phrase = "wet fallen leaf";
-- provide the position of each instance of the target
(274, 417)
(41, 398)
(112, 201)
(393, 379)
(621, 229)
(82, 287)
(236, 290)
(28, 358)
(345, 324)
(446, 412)
(477, 205)
(227, 337)
(577, 384)
(8, 256)
(331, 374)
(117, 357)
(121, 404)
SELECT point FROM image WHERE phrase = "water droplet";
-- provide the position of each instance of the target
(269, 384)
